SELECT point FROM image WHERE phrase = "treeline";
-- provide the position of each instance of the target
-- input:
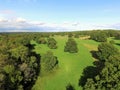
(75, 34)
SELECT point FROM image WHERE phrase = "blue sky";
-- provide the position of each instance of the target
(59, 15)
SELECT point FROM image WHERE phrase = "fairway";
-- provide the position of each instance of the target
(70, 65)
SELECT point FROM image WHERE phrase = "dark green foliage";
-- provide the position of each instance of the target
(2, 81)
(76, 35)
(90, 85)
(71, 46)
(88, 72)
(70, 35)
(69, 87)
(108, 78)
(19, 67)
(112, 42)
(99, 36)
(48, 62)
(117, 35)
(36, 38)
(105, 50)
(52, 44)
(42, 41)
(25, 69)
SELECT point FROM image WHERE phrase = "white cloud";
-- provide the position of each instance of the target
(19, 19)
(3, 19)
(22, 25)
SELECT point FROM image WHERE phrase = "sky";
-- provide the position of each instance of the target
(58, 15)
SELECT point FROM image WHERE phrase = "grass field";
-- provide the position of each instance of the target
(70, 65)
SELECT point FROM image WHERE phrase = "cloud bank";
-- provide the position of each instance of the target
(22, 25)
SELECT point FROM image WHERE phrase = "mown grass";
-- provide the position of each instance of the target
(70, 65)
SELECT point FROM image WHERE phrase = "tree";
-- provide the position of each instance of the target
(109, 76)
(117, 35)
(112, 41)
(42, 41)
(99, 36)
(71, 46)
(48, 62)
(70, 35)
(52, 43)
(105, 50)
(76, 35)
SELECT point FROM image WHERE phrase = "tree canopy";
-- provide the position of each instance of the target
(108, 77)
(99, 36)
(48, 62)
(71, 46)
(105, 50)
(52, 43)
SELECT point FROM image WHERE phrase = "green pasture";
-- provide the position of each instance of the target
(70, 65)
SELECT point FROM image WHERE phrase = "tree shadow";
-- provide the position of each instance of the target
(117, 44)
(70, 87)
(94, 54)
(88, 72)
(91, 71)
(31, 46)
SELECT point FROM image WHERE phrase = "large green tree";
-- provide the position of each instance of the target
(71, 46)
(48, 62)
(105, 50)
(99, 36)
(52, 43)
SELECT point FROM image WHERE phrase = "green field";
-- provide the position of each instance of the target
(70, 65)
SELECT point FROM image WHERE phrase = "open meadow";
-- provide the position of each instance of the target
(70, 65)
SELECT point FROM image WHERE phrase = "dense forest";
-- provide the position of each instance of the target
(20, 64)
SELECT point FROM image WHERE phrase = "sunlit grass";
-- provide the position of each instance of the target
(70, 65)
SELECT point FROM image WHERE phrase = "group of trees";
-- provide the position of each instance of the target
(108, 69)
(19, 66)
(99, 36)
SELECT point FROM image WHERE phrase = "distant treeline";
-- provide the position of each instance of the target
(108, 32)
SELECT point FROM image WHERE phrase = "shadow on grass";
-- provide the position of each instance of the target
(88, 72)
(117, 44)
(94, 54)
(91, 71)
(70, 87)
